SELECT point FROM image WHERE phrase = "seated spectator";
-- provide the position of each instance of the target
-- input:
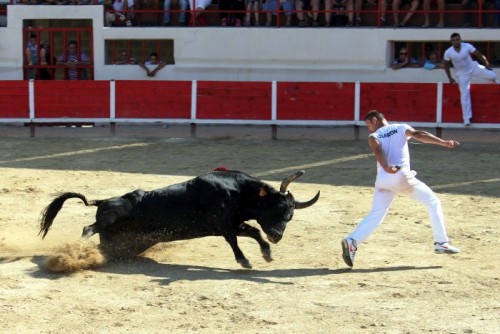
(355, 20)
(253, 6)
(200, 5)
(124, 58)
(121, 16)
(427, 14)
(152, 62)
(148, 13)
(433, 61)
(404, 60)
(46, 59)
(467, 6)
(342, 14)
(497, 15)
(396, 6)
(31, 52)
(300, 6)
(73, 59)
(228, 18)
(183, 5)
(271, 6)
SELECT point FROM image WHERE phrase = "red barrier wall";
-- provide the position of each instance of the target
(485, 104)
(14, 99)
(153, 99)
(234, 100)
(308, 101)
(76, 99)
(315, 101)
(407, 102)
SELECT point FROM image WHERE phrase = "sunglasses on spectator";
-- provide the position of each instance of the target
(403, 53)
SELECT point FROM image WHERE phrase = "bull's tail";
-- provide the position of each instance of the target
(51, 211)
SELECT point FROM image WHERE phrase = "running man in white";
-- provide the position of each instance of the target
(459, 54)
(390, 146)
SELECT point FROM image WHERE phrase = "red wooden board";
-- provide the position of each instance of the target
(14, 99)
(315, 101)
(234, 100)
(407, 102)
(153, 99)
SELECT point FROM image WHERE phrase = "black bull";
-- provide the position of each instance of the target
(213, 204)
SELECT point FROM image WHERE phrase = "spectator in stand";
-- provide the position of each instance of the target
(121, 17)
(253, 5)
(433, 62)
(200, 5)
(73, 59)
(152, 62)
(46, 59)
(497, 15)
(396, 6)
(271, 6)
(148, 13)
(109, 15)
(355, 19)
(31, 52)
(131, 12)
(300, 6)
(404, 60)
(467, 6)
(427, 14)
(228, 18)
(124, 58)
(383, 8)
(183, 5)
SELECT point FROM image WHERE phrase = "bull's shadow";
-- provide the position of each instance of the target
(165, 274)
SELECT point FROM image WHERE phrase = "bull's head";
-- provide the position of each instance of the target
(279, 207)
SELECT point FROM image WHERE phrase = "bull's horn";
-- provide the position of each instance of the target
(303, 205)
(287, 180)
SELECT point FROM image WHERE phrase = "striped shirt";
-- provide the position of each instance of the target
(75, 73)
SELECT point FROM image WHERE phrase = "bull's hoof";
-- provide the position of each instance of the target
(245, 263)
(266, 254)
(88, 231)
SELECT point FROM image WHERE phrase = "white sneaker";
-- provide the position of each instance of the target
(445, 247)
(349, 248)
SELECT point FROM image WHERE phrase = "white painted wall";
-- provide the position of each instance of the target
(246, 54)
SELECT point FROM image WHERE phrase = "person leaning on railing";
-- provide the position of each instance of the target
(404, 60)
(152, 62)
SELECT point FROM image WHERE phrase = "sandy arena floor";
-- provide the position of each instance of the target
(398, 285)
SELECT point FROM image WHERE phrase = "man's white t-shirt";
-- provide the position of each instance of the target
(394, 144)
(462, 60)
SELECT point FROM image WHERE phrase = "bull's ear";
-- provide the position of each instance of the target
(262, 192)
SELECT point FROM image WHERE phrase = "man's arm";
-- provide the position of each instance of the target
(426, 137)
(482, 59)
(143, 66)
(397, 66)
(159, 67)
(447, 64)
(379, 155)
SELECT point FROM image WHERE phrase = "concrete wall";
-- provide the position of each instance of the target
(245, 54)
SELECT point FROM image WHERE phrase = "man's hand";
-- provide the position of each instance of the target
(451, 143)
(453, 82)
(393, 169)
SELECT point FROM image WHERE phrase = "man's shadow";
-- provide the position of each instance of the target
(165, 274)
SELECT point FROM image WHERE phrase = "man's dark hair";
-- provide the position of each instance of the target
(455, 34)
(374, 113)
(154, 54)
